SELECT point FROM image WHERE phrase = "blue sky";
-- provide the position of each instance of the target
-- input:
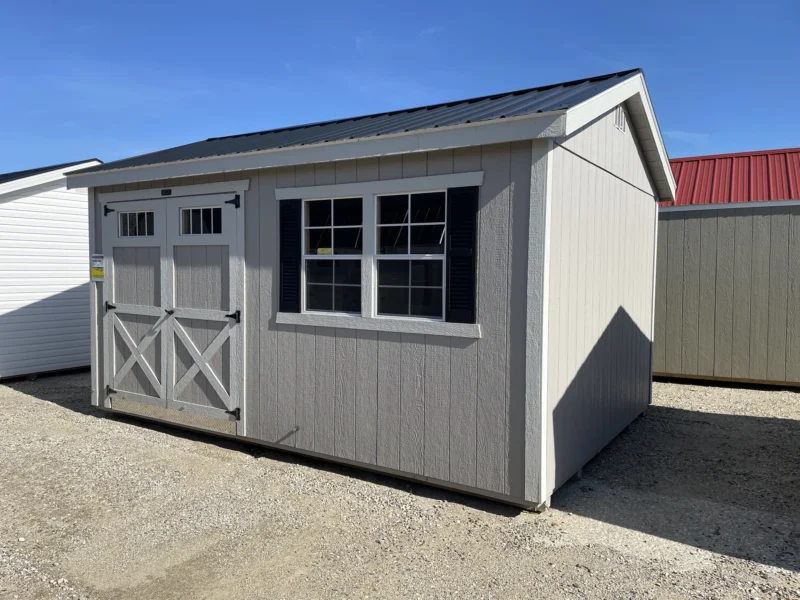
(114, 79)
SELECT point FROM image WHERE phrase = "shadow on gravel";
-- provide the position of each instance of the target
(725, 483)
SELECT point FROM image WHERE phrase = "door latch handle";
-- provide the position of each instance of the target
(236, 315)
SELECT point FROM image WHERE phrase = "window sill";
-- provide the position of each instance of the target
(463, 330)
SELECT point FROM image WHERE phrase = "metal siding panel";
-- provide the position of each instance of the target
(389, 381)
(778, 177)
(759, 298)
(287, 383)
(463, 411)
(325, 405)
(436, 387)
(659, 343)
(778, 293)
(306, 387)
(412, 404)
(723, 332)
(742, 270)
(265, 392)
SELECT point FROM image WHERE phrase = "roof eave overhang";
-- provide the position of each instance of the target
(539, 125)
(42, 180)
(729, 205)
(632, 91)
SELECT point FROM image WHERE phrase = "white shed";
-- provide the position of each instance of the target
(460, 294)
(44, 271)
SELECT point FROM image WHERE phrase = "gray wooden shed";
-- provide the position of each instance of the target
(728, 290)
(459, 294)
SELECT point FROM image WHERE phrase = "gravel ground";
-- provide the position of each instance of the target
(699, 498)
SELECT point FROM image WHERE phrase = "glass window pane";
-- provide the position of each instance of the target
(347, 298)
(318, 241)
(132, 224)
(318, 213)
(426, 272)
(319, 271)
(319, 297)
(123, 219)
(186, 222)
(347, 271)
(392, 301)
(206, 220)
(427, 239)
(426, 302)
(393, 272)
(217, 228)
(347, 211)
(393, 209)
(196, 219)
(142, 223)
(428, 207)
(347, 241)
(150, 223)
(393, 240)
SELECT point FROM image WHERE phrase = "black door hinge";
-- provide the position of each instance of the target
(109, 306)
(236, 412)
(236, 315)
(110, 390)
(235, 201)
(169, 312)
(107, 210)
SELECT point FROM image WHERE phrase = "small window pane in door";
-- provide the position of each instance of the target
(186, 225)
(123, 228)
(150, 223)
(217, 220)
(142, 218)
(206, 220)
(196, 221)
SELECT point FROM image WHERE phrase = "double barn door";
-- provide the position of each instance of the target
(173, 292)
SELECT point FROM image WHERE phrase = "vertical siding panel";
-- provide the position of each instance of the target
(659, 343)
(368, 169)
(324, 173)
(723, 338)
(346, 171)
(345, 407)
(759, 298)
(691, 296)
(251, 405)
(707, 305)
(441, 162)
(412, 404)
(778, 293)
(306, 387)
(675, 233)
(304, 175)
(287, 356)
(742, 269)
(266, 393)
(463, 410)
(324, 407)
(493, 275)
(466, 160)
(389, 382)
(793, 304)
(415, 165)
(391, 167)
(367, 396)
(437, 407)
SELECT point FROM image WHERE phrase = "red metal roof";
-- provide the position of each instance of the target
(741, 177)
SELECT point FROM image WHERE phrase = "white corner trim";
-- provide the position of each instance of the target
(526, 127)
(203, 189)
(634, 90)
(395, 325)
(43, 178)
(729, 206)
(386, 186)
(546, 317)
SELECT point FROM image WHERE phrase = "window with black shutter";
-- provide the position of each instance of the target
(290, 219)
(462, 227)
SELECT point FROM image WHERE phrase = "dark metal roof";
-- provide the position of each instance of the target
(761, 176)
(555, 97)
(6, 177)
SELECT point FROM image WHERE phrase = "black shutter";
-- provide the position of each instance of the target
(290, 256)
(462, 233)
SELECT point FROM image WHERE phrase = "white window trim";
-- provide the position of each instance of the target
(369, 319)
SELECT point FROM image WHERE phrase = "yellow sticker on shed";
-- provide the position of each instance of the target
(97, 263)
(324, 250)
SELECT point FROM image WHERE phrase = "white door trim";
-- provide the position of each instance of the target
(167, 192)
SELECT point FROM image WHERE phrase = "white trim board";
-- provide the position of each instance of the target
(634, 92)
(202, 189)
(540, 125)
(396, 325)
(729, 206)
(386, 186)
(43, 179)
